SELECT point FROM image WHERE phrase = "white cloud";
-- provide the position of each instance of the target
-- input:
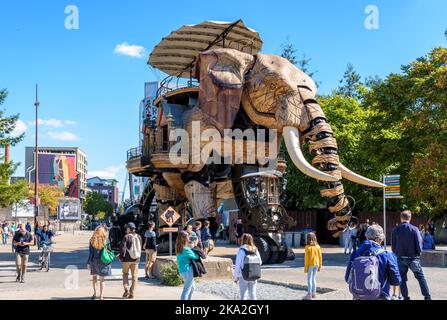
(130, 50)
(20, 128)
(109, 172)
(54, 123)
(63, 135)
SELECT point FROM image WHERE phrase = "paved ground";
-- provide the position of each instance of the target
(74, 281)
(332, 274)
(69, 278)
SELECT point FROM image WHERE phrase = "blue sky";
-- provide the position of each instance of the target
(90, 95)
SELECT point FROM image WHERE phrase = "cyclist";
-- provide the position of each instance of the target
(45, 240)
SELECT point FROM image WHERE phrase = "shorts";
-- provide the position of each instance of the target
(206, 244)
(151, 255)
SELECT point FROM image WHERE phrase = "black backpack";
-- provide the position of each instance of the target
(251, 271)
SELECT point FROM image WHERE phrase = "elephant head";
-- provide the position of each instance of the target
(277, 95)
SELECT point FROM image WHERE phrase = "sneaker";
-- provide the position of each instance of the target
(130, 296)
(18, 279)
(394, 297)
(400, 298)
(307, 297)
(126, 294)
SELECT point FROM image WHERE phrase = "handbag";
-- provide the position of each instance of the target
(107, 256)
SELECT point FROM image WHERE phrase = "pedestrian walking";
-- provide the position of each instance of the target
(6, 233)
(130, 253)
(406, 244)
(22, 240)
(184, 255)
(430, 227)
(238, 231)
(422, 230)
(247, 269)
(37, 233)
(361, 237)
(197, 229)
(150, 247)
(428, 243)
(98, 269)
(189, 230)
(313, 262)
(371, 269)
(350, 235)
(206, 237)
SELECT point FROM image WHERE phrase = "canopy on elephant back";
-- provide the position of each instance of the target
(176, 53)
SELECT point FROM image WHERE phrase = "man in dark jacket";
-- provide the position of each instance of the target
(130, 253)
(406, 243)
(388, 268)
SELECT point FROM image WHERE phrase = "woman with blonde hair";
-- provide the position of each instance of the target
(247, 272)
(184, 255)
(97, 268)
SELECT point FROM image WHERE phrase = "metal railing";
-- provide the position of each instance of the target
(134, 153)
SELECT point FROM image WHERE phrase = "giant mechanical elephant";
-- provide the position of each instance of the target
(274, 94)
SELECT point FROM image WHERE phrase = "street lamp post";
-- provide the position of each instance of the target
(36, 165)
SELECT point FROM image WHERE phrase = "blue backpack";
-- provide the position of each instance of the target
(363, 280)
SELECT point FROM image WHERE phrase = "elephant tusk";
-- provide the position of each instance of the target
(354, 177)
(292, 140)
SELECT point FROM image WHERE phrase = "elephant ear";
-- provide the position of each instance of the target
(221, 73)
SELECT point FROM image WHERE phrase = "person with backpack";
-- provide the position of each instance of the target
(184, 256)
(371, 269)
(130, 254)
(313, 261)
(98, 269)
(247, 269)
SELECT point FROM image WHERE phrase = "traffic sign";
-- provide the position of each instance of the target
(170, 216)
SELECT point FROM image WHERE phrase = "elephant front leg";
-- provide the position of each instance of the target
(202, 199)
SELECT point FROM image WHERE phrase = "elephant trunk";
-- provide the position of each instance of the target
(326, 163)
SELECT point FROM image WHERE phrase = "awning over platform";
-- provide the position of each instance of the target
(176, 53)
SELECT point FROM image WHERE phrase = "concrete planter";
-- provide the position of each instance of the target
(216, 268)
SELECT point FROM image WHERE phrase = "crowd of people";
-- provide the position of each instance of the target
(22, 238)
(372, 272)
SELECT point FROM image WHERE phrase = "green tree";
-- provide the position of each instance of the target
(49, 195)
(95, 203)
(10, 193)
(349, 121)
(288, 51)
(350, 84)
(407, 133)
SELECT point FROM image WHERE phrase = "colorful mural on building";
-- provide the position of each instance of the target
(59, 170)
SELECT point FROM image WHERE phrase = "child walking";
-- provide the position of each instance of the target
(313, 261)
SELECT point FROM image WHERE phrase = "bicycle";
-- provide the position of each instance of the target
(45, 255)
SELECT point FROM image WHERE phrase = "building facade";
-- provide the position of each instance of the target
(108, 188)
(65, 167)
